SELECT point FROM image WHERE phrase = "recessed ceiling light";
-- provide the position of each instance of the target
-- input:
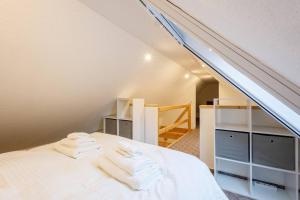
(148, 57)
(209, 49)
(187, 75)
(203, 65)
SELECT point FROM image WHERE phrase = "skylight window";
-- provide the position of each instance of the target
(262, 97)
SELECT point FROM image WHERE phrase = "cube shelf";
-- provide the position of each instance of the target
(255, 156)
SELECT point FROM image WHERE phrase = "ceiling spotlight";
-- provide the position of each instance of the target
(203, 65)
(148, 57)
(210, 49)
(187, 75)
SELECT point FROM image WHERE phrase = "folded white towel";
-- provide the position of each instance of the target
(80, 142)
(75, 152)
(77, 135)
(131, 165)
(143, 181)
(129, 148)
(125, 154)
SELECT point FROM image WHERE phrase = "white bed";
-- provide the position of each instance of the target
(42, 173)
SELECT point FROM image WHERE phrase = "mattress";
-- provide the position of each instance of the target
(43, 173)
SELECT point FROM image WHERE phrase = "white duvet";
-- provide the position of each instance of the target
(42, 173)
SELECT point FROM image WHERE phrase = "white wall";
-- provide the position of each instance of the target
(230, 95)
(62, 66)
(228, 91)
(184, 94)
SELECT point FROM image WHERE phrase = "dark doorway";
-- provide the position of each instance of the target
(206, 91)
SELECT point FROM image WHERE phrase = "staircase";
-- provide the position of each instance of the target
(171, 137)
(169, 134)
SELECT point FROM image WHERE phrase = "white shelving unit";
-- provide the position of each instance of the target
(232, 184)
(261, 176)
(133, 119)
(233, 127)
(128, 121)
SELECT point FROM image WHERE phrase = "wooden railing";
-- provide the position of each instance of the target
(168, 131)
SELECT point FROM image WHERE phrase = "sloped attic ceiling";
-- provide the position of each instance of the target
(269, 30)
(252, 30)
(63, 65)
(133, 17)
(276, 93)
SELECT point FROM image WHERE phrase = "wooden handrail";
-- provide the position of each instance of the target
(166, 108)
(179, 121)
(181, 115)
(173, 131)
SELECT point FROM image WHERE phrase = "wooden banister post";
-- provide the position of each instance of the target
(190, 117)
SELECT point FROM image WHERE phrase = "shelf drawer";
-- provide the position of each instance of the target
(232, 145)
(125, 128)
(274, 151)
(111, 126)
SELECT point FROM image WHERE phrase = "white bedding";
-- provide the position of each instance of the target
(42, 173)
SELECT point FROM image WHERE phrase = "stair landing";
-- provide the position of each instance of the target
(171, 137)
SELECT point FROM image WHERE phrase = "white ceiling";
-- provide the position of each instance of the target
(134, 18)
(269, 30)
